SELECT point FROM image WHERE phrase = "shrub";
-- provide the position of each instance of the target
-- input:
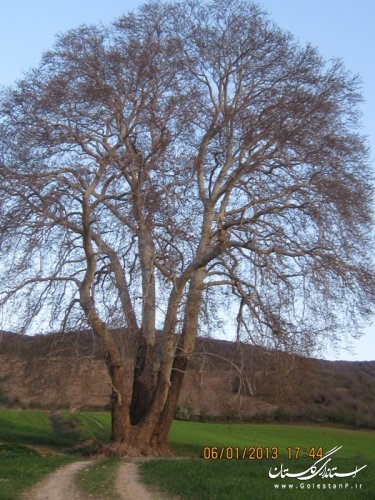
(184, 411)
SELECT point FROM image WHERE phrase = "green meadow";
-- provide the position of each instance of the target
(238, 457)
(248, 477)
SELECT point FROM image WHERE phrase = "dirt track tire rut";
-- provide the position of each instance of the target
(59, 485)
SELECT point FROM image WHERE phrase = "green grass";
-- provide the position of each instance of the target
(99, 479)
(191, 437)
(32, 445)
(21, 467)
(36, 427)
(196, 479)
(28, 427)
(81, 431)
(243, 479)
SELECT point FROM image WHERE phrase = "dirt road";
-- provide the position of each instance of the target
(60, 485)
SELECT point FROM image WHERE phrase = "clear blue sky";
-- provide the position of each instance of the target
(339, 28)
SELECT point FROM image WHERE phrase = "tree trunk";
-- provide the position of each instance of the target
(144, 380)
(183, 353)
(166, 416)
(119, 402)
(142, 429)
(141, 439)
(135, 431)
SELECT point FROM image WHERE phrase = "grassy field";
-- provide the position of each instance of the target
(191, 437)
(33, 443)
(248, 478)
(99, 480)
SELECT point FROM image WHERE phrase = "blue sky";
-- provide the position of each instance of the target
(339, 28)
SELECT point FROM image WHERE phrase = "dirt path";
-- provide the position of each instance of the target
(59, 485)
(129, 486)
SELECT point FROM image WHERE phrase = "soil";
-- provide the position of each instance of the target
(60, 485)
(129, 486)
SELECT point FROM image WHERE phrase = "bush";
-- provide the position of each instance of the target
(66, 426)
(184, 411)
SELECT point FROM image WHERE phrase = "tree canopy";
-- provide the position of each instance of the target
(188, 157)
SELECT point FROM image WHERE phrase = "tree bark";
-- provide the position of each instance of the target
(183, 353)
(144, 380)
(145, 363)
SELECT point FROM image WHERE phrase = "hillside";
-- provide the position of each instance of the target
(225, 381)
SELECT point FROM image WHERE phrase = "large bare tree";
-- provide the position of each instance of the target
(190, 155)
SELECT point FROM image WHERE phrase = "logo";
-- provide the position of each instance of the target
(321, 468)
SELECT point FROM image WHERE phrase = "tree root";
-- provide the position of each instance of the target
(123, 449)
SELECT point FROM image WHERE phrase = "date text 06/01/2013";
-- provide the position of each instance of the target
(259, 452)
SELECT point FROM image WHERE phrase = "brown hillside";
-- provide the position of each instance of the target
(224, 381)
